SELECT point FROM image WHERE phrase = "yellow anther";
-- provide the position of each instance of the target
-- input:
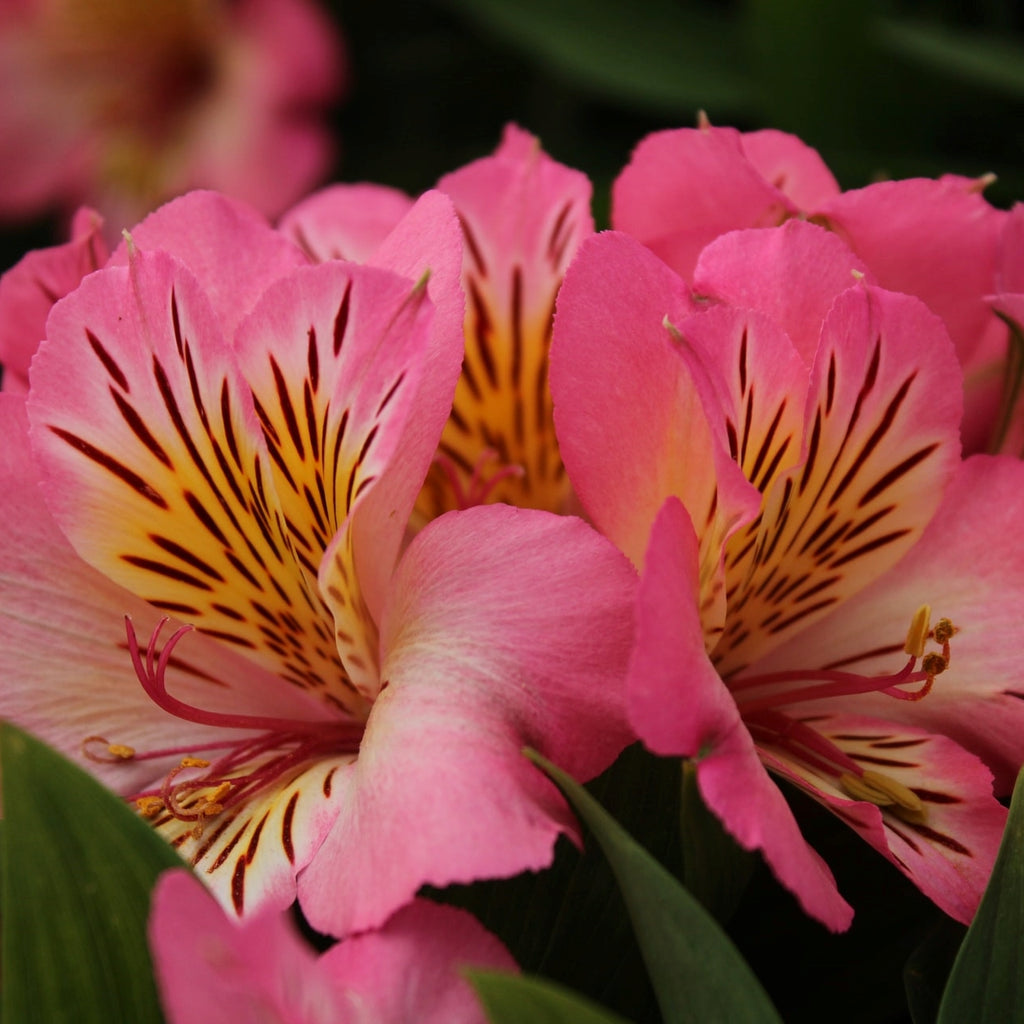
(194, 762)
(934, 664)
(855, 786)
(918, 632)
(149, 806)
(900, 794)
(211, 810)
(944, 630)
(884, 791)
(218, 794)
(120, 751)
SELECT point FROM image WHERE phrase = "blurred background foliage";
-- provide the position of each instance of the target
(883, 88)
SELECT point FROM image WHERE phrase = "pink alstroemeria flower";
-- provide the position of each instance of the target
(30, 288)
(784, 466)
(232, 437)
(124, 105)
(936, 239)
(210, 967)
(523, 216)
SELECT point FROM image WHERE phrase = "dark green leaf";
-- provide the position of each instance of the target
(512, 999)
(979, 58)
(716, 868)
(77, 870)
(986, 985)
(696, 971)
(925, 973)
(670, 59)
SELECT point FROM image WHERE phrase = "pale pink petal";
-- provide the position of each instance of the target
(685, 187)
(157, 470)
(209, 968)
(30, 288)
(411, 970)
(631, 422)
(345, 222)
(64, 657)
(1010, 254)
(792, 274)
(934, 239)
(680, 706)
(792, 166)
(881, 444)
(947, 849)
(506, 628)
(333, 356)
(229, 247)
(969, 567)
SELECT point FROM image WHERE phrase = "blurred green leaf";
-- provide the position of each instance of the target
(697, 973)
(925, 973)
(77, 870)
(986, 985)
(980, 58)
(513, 998)
(665, 56)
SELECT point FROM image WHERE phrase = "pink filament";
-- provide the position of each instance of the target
(480, 487)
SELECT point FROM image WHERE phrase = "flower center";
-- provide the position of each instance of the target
(200, 788)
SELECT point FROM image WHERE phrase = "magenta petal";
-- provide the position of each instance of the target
(411, 970)
(207, 232)
(505, 628)
(679, 705)
(30, 288)
(792, 166)
(685, 187)
(345, 222)
(901, 229)
(792, 274)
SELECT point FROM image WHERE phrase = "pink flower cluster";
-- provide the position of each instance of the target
(342, 455)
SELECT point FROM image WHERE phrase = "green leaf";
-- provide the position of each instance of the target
(77, 870)
(513, 998)
(926, 971)
(672, 59)
(697, 973)
(979, 58)
(986, 985)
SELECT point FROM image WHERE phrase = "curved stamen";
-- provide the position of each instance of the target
(479, 487)
(151, 675)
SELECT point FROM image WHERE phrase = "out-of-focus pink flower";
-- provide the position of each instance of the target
(781, 458)
(523, 216)
(123, 105)
(239, 443)
(935, 239)
(212, 968)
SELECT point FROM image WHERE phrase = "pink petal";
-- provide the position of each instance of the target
(411, 970)
(523, 216)
(948, 853)
(631, 422)
(792, 166)
(969, 567)
(680, 706)
(64, 659)
(345, 222)
(792, 273)
(208, 232)
(211, 968)
(901, 229)
(506, 628)
(881, 444)
(30, 288)
(685, 187)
